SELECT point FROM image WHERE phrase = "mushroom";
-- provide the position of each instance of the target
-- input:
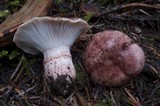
(111, 59)
(53, 37)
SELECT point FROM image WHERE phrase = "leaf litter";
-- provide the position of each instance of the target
(21, 75)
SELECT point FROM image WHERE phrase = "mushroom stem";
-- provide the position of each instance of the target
(57, 62)
(53, 37)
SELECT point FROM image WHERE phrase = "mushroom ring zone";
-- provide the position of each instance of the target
(52, 36)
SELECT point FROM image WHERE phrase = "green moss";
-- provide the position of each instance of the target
(81, 77)
(3, 53)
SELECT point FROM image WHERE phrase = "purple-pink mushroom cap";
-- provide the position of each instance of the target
(112, 59)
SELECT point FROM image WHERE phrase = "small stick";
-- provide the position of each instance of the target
(57, 100)
(135, 101)
(10, 30)
(141, 5)
(17, 68)
(29, 89)
(117, 8)
(113, 98)
(81, 99)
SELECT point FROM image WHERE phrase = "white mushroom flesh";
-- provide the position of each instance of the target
(53, 37)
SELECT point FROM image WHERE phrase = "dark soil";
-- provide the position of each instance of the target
(21, 74)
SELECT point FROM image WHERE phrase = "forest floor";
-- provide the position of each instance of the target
(21, 74)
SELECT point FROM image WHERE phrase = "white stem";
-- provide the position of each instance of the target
(58, 61)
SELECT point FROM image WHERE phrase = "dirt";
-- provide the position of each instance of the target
(21, 77)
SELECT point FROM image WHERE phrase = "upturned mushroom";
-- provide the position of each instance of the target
(53, 37)
(112, 59)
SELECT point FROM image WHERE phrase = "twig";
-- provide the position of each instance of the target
(154, 51)
(88, 95)
(141, 5)
(81, 99)
(29, 89)
(17, 68)
(155, 71)
(154, 100)
(60, 102)
(74, 100)
(16, 88)
(112, 98)
(34, 97)
(71, 95)
(134, 101)
(144, 12)
(133, 5)
(10, 30)
(19, 74)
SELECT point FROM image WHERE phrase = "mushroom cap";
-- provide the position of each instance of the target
(111, 59)
(42, 33)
